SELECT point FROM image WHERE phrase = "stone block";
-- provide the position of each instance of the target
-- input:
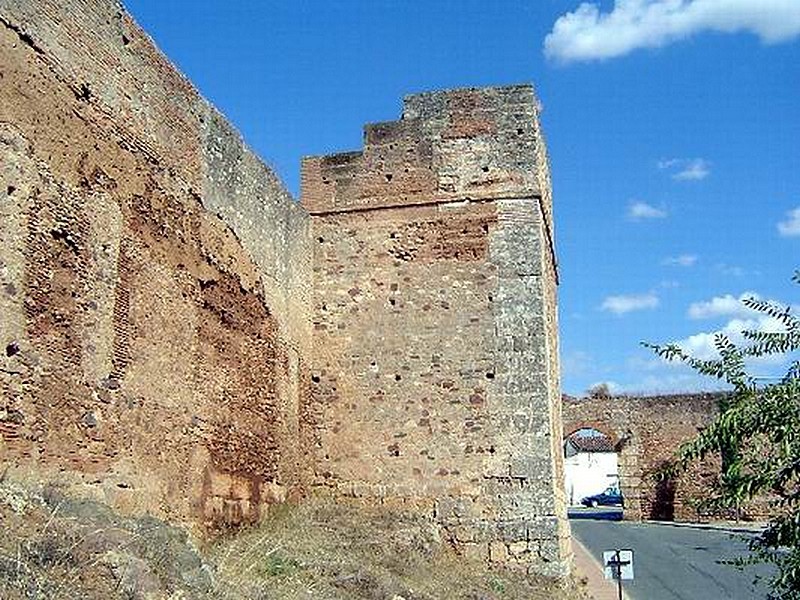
(498, 552)
(518, 549)
(474, 552)
(272, 493)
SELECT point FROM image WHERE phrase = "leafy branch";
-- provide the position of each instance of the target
(757, 432)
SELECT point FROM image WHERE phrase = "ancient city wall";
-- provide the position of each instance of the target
(435, 358)
(154, 279)
(180, 338)
(647, 432)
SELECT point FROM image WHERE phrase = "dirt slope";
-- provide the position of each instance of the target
(54, 547)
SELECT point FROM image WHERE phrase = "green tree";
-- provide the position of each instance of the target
(757, 433)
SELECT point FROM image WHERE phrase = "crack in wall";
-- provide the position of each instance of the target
(24, 36)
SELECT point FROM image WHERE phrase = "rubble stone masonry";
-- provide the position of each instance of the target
(435, 358)
(179, 337)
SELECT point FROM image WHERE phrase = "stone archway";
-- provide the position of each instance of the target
(627, 447)
(648, 430)
(571, 427)
(590, 463)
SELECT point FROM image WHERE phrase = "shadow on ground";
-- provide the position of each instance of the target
(601, 513)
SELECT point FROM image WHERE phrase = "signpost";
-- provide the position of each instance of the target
(618, 565)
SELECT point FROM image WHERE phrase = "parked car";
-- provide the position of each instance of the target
(610, 497)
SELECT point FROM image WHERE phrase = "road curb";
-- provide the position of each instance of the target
(754, 530)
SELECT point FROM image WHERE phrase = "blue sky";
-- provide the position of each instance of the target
(673, 128)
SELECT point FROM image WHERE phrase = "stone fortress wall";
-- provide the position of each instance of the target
(181, 338)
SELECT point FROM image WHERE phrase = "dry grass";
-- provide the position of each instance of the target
(322, 549)
(56, 548)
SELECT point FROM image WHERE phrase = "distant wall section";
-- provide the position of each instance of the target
(647, 432)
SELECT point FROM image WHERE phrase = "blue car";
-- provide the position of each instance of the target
(610, 497)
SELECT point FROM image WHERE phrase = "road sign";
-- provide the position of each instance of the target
(618, 564)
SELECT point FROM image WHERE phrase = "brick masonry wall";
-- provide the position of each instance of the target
(154, 279)
(648, 432)
(435, 370)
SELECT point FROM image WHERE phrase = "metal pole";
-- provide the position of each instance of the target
(619, 576)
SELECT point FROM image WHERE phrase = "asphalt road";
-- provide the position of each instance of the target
(675, 563)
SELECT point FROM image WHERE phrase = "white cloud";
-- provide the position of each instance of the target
(683, 260)
(726, 305)
(733, 306)
(693, 170)
(668, 163)
(740, 318)
(686, 381)
(576, 363)
(651, 363)
(732, 270)
(686, 169)
(619, 305)
(642, 210)
(702, 346)
(657, 374)
(791, 226)
(587, 34)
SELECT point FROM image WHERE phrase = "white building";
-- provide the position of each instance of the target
(590, 465)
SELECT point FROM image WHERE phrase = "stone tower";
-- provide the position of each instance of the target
(435, 379)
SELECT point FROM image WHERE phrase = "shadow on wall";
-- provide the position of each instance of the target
(664, 505)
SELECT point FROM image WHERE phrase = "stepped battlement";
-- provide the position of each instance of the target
(452, 145)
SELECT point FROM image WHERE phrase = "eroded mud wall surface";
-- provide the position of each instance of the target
(154, 279)
(435, 360)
